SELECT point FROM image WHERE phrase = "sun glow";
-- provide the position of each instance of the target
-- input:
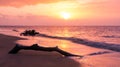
(65, 15)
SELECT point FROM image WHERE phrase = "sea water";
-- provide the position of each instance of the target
(106, 37)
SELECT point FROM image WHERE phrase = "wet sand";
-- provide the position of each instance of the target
(30, 58)
(93, 57)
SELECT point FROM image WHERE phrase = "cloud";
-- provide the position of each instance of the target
(18, 3)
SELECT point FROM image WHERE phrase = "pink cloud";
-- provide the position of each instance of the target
(18, 3)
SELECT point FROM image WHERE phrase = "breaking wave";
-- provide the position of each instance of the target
(102, 45)
(112, 36)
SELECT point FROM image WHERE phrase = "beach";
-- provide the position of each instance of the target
(93, 57)
(30, 58)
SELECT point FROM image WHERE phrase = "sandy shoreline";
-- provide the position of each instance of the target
(30, 58)
(96, 57)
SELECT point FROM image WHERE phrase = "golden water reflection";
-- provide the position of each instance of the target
(63, 33)
(63, 44)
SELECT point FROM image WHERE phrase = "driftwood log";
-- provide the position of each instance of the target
(29, 33)
(17, 48)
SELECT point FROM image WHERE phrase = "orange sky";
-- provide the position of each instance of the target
(48, 12)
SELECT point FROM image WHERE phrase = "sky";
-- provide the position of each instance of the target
(60, 12)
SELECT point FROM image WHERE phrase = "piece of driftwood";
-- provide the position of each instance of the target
(29, 33)
(17, 48)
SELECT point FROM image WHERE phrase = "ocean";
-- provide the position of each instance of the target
(105, 37)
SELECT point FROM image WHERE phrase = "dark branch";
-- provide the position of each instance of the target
(17, 48)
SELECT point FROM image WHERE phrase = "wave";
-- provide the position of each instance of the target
(112, 36)
(98, 53)
(103, 45)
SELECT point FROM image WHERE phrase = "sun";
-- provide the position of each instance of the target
(65, 15)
